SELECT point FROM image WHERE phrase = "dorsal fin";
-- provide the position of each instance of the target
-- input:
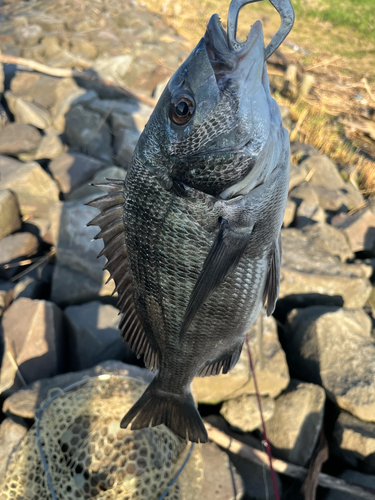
(112, 231)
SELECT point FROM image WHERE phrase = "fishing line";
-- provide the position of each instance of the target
(59, 392)
(265, 440)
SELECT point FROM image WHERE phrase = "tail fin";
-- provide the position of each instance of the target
(177, 411)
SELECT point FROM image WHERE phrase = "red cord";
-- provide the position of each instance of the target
(265, 438)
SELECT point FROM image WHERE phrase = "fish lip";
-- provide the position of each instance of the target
(225, 60)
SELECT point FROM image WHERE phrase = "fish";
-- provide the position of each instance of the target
(192, 235)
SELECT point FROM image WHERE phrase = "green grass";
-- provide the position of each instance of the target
(359, 15)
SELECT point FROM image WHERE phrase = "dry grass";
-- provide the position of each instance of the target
(339, 56)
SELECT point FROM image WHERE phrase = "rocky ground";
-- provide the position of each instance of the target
(314, 358)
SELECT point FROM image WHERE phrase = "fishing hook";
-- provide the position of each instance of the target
(283, 7)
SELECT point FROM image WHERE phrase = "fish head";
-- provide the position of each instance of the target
(214, 116)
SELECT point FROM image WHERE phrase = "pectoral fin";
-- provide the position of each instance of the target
(272, 286)
(222, 258)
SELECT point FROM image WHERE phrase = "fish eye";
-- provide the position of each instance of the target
(181, 109)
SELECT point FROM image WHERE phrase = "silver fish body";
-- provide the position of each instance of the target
(192, 236)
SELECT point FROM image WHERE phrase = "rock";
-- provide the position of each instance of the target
(333, 347)
(356, 478)
(359, 229)
(297, 176)
(294, 429)
(124, 145)
(309, 213)
(27, 401)
(221, 480)
(243, 412)
(91, 192)
(95, 336)
(16, 246)
(113, 69)
(4, 121)
(29, 288)
(33, 335)
(10, 220)
(27, 112)
(311, 275)
(48, 23)
(50, 147)
(78, 275)
(18, 138)
(270, 365)
(300, 150)
(12, 430)
(43, 92)
(130, 115)
(35, 189)
(80, 46)
(68, 94)
(324, 172)
(28, 36)
(290, 211)
(88, 132)
(331, 239)
(71, 170)
(23, 81)
(356, 442)
(40, 227)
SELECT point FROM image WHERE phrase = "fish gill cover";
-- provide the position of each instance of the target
(192, 236)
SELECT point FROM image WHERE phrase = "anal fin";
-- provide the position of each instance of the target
(223, 364)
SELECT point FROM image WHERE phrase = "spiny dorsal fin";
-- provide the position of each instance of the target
(112, 231)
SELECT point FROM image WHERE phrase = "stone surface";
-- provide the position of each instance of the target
(91, 192)
(10, 220)
(28, 36)
(123, 147)
(95, 336)
(113, 69)
(17, 245)
(12, 430)
(309, 213)
(310, 275)
(50, 147)
(27, 112)
(27, 401)
(356, 441)
(71, 170)
(294, 429)
(18, 138)
(359, 229)
(356, 478)
(297, 176)
(331, 239)
(290, 211)
(243, 412)
(334, 348)
(87, 132)
(78, 275)
(33, 335)
(221, 480)
(324, 172)
(34, 188)
(270, 365)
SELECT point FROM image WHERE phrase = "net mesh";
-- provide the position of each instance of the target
(88, 455)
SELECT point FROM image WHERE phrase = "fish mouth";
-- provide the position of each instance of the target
(229, 57)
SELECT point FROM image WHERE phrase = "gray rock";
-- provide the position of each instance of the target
(71, 170)
(113, 69)
(356, 478)
(359, 229)
(297, 176)
(331, 239)
(23, 81)
(27, 401)
(221, 480)
(33, 337)
(10, 219)
(310, 274)
(12, 430)
(42, 92)
(40, 227)
(324, 172)
(129, 115)
(309, 213)
(47, 22)
(91, 192)
(88, 132)
(334, 348)
(243, 412)
(270, 365)
(34, 188)
(290, 211)
(80, 46)
(78, 275)
(50, 147)
(294, 429)
(18, 138)
(28, 287)
(27, 112)
(356, 441)
(18, 245)
(124, 145)
(28, 36)
(95, 336)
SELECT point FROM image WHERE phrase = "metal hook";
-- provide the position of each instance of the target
(283, 7)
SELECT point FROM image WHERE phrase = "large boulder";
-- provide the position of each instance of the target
(243, 412)
(34, 344)
(12, 430)
(359, 229)
(269, 361)
(333, 347)
(18, 138)
(294, 428)
(28, 112)
(10, 219)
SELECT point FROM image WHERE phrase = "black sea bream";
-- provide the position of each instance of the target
(192, 236)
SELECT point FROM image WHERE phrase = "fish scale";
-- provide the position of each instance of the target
(195, 247)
